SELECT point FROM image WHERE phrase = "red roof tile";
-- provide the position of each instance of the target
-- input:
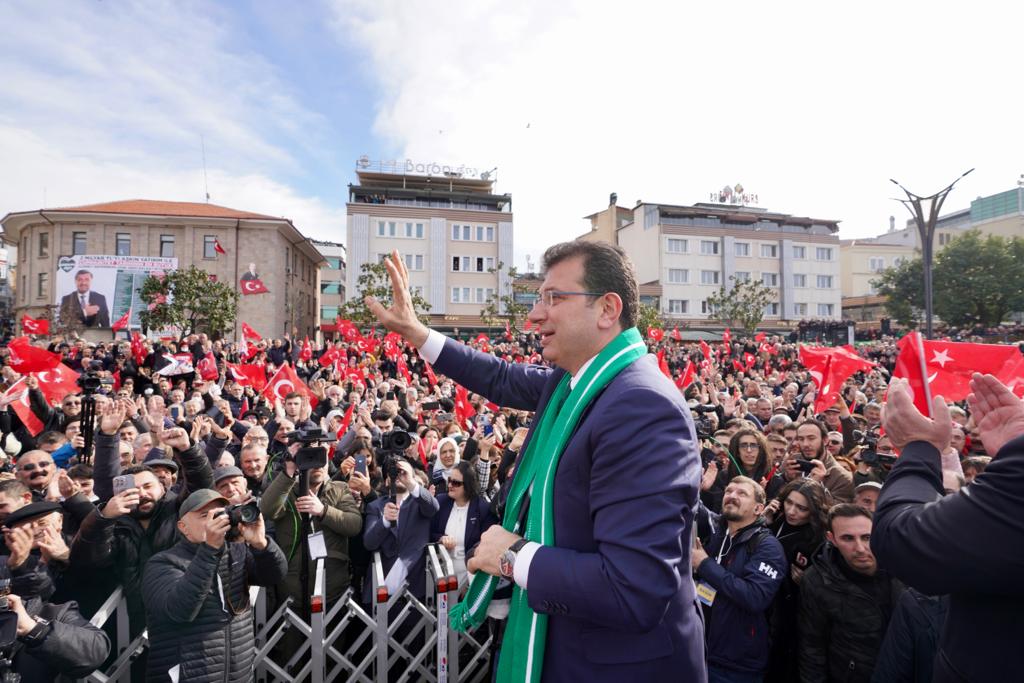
(150, 207)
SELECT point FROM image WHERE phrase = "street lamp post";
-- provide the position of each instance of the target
(925, 211)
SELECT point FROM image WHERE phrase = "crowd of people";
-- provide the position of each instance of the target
(781, 556)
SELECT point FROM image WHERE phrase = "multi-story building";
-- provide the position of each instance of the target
(332, 283)
(286, 262)
(450, 227)
(684, 254)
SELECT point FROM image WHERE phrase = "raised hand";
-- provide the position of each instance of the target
(401, 316)
(904, 423)
(998, 413)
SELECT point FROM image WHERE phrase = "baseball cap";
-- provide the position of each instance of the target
(222, 473)
(199, 499)
(31, 511)
(868, 485)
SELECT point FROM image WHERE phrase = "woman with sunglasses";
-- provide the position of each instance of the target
(798, 518)
(462, 517)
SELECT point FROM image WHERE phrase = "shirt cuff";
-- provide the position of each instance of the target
(415, 493)
(521, 569)
(387, 523)
(432, 348)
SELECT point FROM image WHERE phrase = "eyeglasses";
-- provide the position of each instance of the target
(749, 446)
(552, 297)
(454, 483)
(31, 466)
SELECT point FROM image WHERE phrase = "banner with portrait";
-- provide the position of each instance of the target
(96, 290)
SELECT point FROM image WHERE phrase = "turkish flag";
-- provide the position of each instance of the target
(21, 407)
(463, 410)
(362, 345)
(332, 354)
(737, 365)
(675, 334)
(830, 367)
(57, 383)
(910, 366)
(404, 370)
(727, 336)
(217, 248)
(122, 322)
(138, 349)
(207, 367)
(429, 372)
(508, 331)
(284, 382)
(748, 360)
(26, 358)
(949, 365)
(355, 375)
(252, 287)
(392, 345)
(662, 365)
(33, 326)
(307, 351)
(346, 421)
(248, 375)
(249, 351)
(348, 331)
(706, 350)
(686, 379)
(759, 337)
(656, 333)
(484, 342)
(1012, 375)
(250, 333)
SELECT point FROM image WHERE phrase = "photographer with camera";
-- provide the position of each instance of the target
(810, 459)
(874, 458)
(201, 625)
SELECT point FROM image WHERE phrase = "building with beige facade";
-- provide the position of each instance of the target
(450, 226)
(287, 263)
(333, 281)
(685, 254)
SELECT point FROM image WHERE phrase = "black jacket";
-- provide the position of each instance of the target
(908, 652)
(967, 545)
(800, 545)
(125, 546)
(73, 647)
(842, 620)
(192, 624)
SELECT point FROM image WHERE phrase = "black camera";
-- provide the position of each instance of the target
(89, 382)
(312, 455)
(241, 513)
(395, 441)
(392, 446)
(868, 441)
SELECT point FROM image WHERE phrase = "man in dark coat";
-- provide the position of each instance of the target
(967, 544)
(196, 595)
(83, 305)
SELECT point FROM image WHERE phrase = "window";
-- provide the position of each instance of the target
(479, 264)
(465, 294)
(678, 306)
(771, 309)
(944, 238)
(709, 277)
(330, 288)
(676, 246)
(44, 244)
(823, 253)
(800, 309)
(769, 251)
(413, 261)
(42, 282)
(77, 243)
(381, 228)
(490, 233)
(824, 282)
(770, 279)
(123, 244)
(743, 249)
(490, 294)
(328, 312)
(741, 276)
(799, 280)
(209, 246)
(167, 246)
(479, 294)
(825, 310)
(709, 247)
(392, 228)
(455, 295)
(417, 290)
(465, 232)
(414, 230)
(678, 276)
(706, 307)
(876, 264)
(479, 233)
(799, 252)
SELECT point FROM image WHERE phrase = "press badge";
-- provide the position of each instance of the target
(317, 546)
(706, 594)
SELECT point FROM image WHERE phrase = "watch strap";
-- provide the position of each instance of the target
(518, 545)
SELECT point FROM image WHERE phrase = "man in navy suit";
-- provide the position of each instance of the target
(616, 587)
(84, 305)
(400, 530)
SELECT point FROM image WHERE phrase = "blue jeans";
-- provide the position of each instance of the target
(720, 675)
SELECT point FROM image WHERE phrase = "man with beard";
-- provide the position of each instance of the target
(737, 582)
(138, 522)
(399, 528)
(811, 436)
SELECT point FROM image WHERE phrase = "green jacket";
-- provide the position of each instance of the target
(341, 521)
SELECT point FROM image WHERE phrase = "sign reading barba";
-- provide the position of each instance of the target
(736, 195)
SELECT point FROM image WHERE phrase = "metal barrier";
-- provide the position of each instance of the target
(400, 639)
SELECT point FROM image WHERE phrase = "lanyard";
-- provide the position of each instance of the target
(723, 551)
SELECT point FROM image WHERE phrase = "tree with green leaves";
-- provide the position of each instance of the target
(903, 287)
(374, 281)
(741, 305)
(646, 318)
(503, 307)
(189, 300)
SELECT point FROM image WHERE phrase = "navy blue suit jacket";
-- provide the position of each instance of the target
(617, 585)
(478, 519)
(408, 540)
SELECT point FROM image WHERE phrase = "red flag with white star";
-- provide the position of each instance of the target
(253, 287)
(675, 334)
(217, 248)
(656, 334)
(662, 365)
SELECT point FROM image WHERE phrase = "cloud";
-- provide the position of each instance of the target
(813, 107)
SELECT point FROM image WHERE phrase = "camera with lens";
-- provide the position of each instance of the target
(392, 445)
(89, 382)
(312, 455)
(8, 634)
(704, 425)
(868, 441)
(242, 513)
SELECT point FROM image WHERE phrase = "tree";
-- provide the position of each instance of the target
(503, 307)
(189, 300)
(741, 305)
(646, 318)
(374, 281)
(903, 287)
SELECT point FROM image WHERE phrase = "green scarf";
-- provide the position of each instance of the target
(522, 651)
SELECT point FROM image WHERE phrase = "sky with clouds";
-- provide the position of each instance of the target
(813, 106)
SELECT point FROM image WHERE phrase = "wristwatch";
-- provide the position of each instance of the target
(38, 632)
(507, 561)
